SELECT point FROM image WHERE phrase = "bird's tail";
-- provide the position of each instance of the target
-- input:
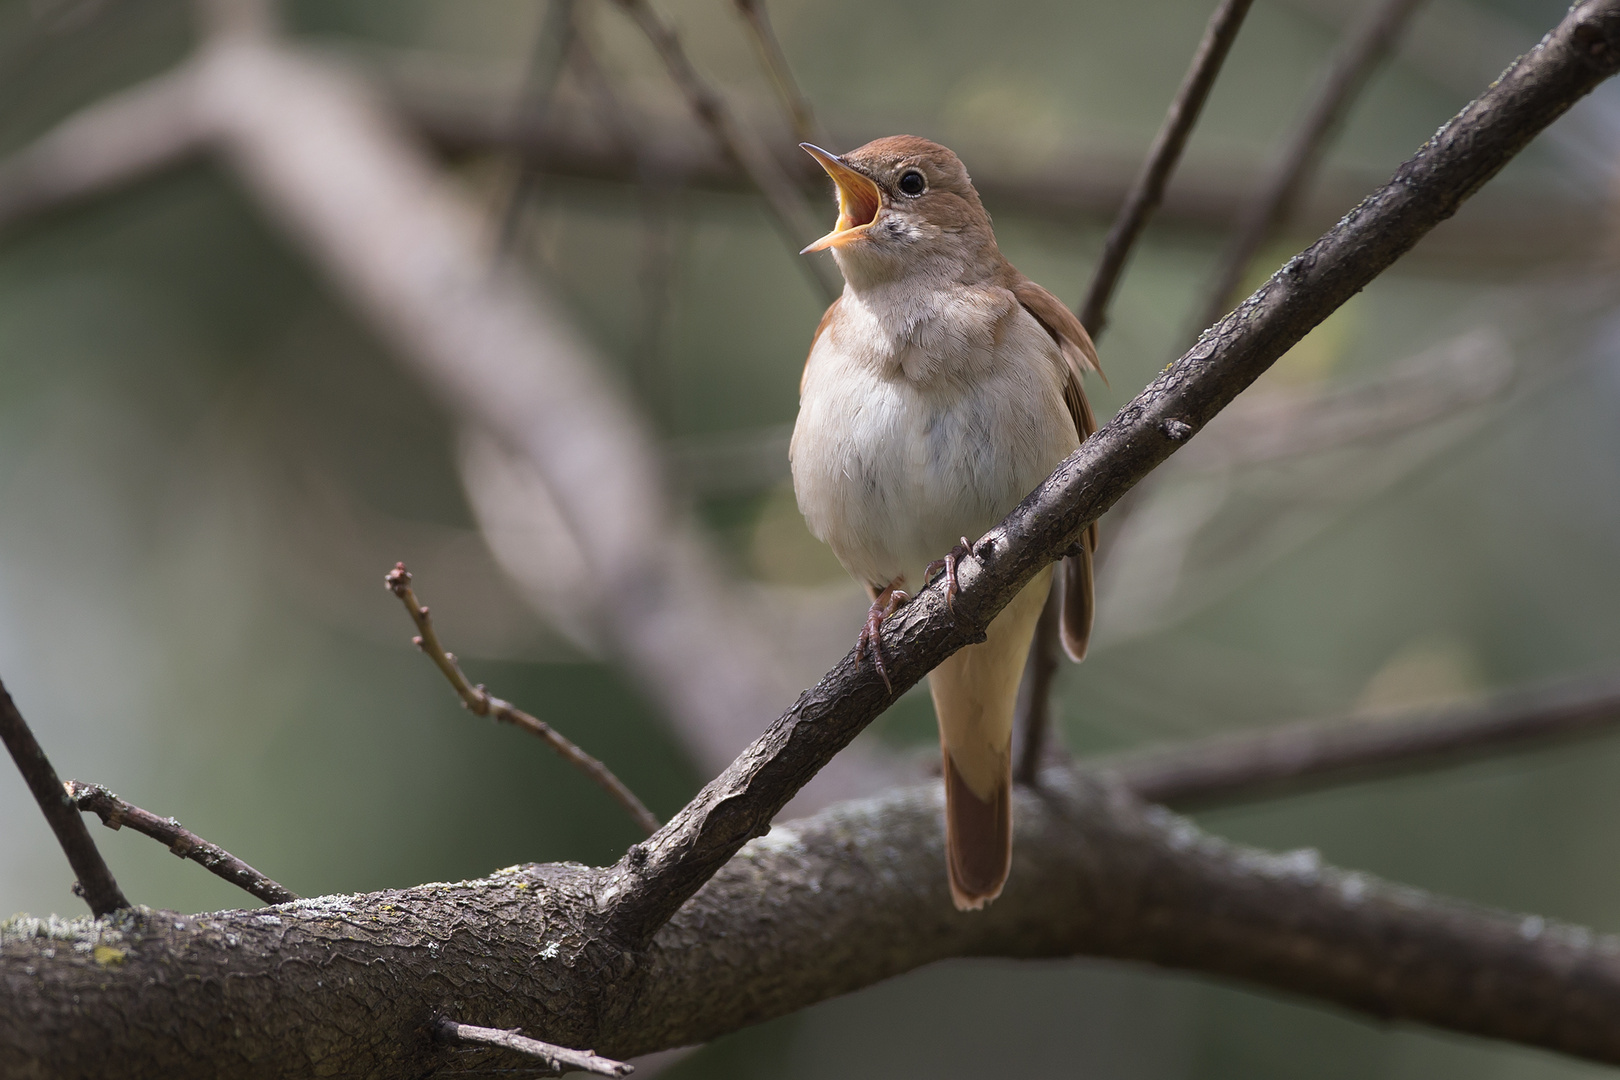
(975, 692)
(978, 838)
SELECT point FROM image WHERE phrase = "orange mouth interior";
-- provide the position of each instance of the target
(859, 201)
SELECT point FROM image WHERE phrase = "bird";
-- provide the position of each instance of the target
(942, 387)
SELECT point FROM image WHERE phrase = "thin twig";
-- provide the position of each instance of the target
(559, 1059)
(803, 118)
(1033, 719)
(481, 702)
(1274, 202)
(791, 212)
(96, 882)
(116, 813)
(1148, 190)
(1318, 753)
(547, 62)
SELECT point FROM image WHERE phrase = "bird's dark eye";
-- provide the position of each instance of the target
(912, 182)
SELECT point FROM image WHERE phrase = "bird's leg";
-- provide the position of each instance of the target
(949, 564)
(884, 603)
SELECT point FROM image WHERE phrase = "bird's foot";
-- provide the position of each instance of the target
(883, 605)
(948, 564)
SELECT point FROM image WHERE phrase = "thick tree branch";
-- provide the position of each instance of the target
(353, 985)
(1369, 42)
(480, 702)
(1317, 753)
(96, 882)
(1147, 192)
(115, 813)
(657, 876)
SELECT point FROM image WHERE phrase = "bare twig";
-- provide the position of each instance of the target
(96, 882)
(794, 103)
(1318, 753)
(1148, 190)
(1033, 718)
(1369, 42)
(481, 702)
(791, 212)
(656, 877)
(559, 1059)
(547, 62)
(116, 813)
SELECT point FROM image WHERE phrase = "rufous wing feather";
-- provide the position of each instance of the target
(1079, 355)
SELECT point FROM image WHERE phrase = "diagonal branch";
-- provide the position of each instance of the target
(115, 813)
(1369, 42)
(480, 702)
(792, 214)
(803, 118)
(1319, 753)
(656, 877)
(96, 882)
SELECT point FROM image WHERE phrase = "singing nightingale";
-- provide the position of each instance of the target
(942, 387)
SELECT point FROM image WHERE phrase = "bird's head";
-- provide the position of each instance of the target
(905, 207)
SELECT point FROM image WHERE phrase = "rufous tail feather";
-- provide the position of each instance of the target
(978, 838)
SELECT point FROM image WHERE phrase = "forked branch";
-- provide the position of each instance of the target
(96, 883)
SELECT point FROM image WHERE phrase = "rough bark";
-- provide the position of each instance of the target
(354, 985)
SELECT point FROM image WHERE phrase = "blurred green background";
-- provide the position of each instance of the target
(207, 464)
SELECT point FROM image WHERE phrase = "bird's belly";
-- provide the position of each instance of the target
(890, 474)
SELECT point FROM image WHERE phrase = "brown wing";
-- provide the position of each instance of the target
(1079, 355)
(826, 318)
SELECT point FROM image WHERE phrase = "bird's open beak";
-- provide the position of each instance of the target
(858, 201)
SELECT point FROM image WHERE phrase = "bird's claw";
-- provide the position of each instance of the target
(872, 631)
(952, 558)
